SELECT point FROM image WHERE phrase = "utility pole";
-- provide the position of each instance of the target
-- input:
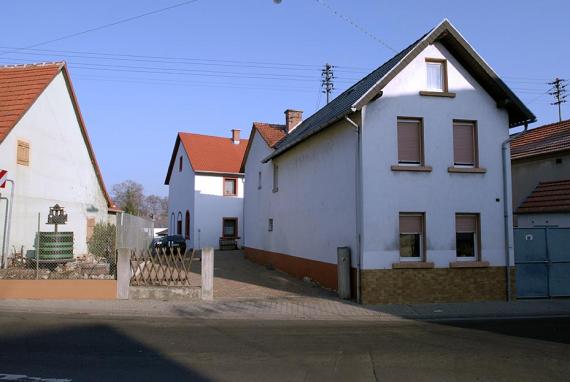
(558, 90)
(327, 77)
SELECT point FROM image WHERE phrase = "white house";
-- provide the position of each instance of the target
(206, 188)
(406, 169)
(45, 148)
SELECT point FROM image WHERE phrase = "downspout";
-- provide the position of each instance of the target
(358, 201)
(4, 258)
(8, 225)
(506, 202)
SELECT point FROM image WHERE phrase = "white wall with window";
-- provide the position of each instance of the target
(180, 199)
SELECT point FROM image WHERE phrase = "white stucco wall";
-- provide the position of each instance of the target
(60, 171)
(313, 211)
(212, 206)
(181, 196)
(439, 194)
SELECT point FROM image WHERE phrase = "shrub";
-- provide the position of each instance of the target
(102, 242)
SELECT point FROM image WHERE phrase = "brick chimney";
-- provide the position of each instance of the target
(235, 136)
(292, 119)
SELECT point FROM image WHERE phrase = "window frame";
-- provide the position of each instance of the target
(234, 180)
(423, 252)
(187, 225)
(475, 142)
(476, 239)
(270, 225)
(275, 177)
(25, 145)
(235, 220)
(444, 80)
(259, 185)
(180, 164)
(420, 122)
(179, 227)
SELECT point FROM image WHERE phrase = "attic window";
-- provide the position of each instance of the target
(436, 75)
(23, 153)
(180, 164)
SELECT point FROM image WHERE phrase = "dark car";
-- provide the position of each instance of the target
(172, 242)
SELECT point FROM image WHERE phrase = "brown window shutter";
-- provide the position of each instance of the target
(409, 141)
(90, 228)
(410, 224)
(23, 153)
(465, 223)
(464, 143)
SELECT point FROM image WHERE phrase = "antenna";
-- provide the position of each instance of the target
(327, 77)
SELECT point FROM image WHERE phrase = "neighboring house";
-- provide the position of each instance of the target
(45, 148)
(205, 189)
(405, 169)
(538, 155)
(547, 206)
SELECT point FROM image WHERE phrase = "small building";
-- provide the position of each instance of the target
(405, 168)
(539, 155)
(548, 205)
(205, 189)
(45, 148)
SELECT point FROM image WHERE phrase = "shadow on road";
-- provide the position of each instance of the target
(95, 352)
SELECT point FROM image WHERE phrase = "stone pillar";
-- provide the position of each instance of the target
(343, 267)
(123, 273)
(208, 273)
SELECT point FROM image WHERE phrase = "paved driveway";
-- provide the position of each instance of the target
(236, 277)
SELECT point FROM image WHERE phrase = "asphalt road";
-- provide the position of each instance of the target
(84, 348)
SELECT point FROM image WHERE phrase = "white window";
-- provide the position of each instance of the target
(259, 180)
(467, 236)
(275, 178)
(412, 236)
(436, 75)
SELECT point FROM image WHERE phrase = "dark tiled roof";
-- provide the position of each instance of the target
(547, 197)
(546, 139)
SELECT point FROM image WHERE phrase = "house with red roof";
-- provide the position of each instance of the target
(540, 161)
(206, 190)
(45, 148)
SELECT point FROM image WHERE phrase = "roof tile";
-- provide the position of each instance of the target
(213, 154)
(542, 140)
(270, 132)
(547, 197)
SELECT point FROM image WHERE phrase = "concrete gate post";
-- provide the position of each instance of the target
(123, 273)
(208, 273)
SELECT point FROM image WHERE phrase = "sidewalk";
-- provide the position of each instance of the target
(294, 308)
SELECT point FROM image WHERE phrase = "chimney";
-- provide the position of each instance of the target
(235, 136)
(292, 119)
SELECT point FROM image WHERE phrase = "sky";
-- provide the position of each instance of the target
(209, 66)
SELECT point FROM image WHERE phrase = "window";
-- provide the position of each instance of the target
(180, 164)
(230, 186)
(464, 143)
(229, 228)
(467, 236)
(436, 74)
(90, 228)
(411, 236)
(275, 178)
(179, 224)
(270, 225)
(187, 226)
(23, 153)
(172, 223)
(410, 141)
(259, 180)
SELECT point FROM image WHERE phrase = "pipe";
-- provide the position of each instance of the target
(4, 259)
(358, 199)
(9, 224)
(506, 201)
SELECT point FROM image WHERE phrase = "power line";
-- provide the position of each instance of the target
(558, 90)
(108, 25)
(354, 24)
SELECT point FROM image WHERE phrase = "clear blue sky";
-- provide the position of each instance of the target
(221, 64)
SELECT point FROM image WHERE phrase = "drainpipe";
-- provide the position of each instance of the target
(4, 259)
(506, 202)
(8, 225)
(358, 201)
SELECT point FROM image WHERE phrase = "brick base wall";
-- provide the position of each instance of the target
(408, 286)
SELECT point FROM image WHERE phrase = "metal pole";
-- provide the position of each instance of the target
(9, 225)
(4, 260)
(38, 250)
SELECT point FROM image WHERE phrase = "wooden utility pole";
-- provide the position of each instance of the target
(558, 90)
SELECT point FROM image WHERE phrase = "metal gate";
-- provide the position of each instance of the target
(542, 259)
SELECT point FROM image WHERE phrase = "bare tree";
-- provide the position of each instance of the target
(129, 196)
(156, 207)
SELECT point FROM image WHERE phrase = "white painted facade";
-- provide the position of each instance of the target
(201, 194)
(60, 171)
(314, 210)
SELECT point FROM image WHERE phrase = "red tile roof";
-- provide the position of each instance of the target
(271, 133)
(548, 197)
(20, 87)
(208, 153)
(545, 139)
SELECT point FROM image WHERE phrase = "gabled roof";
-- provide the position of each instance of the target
(547, 197)
(271, 133)
(542, 140)
(21, 86)
(208, 153)
(370, 87)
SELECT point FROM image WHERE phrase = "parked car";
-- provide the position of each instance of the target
(170, 242)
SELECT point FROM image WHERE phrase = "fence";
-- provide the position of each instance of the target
(134, 232)
(168, 267)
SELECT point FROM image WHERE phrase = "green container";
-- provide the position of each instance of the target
(56, 245)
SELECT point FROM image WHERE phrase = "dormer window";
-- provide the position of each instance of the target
(436, 74)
